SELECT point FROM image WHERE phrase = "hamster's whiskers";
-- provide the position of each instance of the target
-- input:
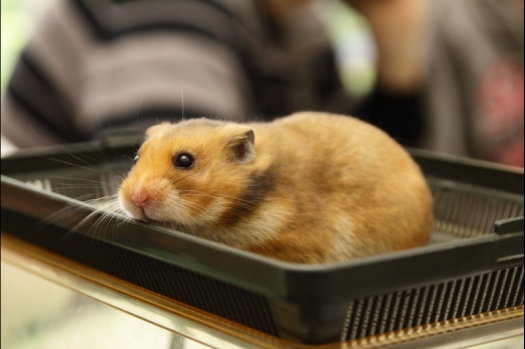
(62, 186)
(109, 211)
(83, 180)
(185, 203)
(181, 205)
(60, 214)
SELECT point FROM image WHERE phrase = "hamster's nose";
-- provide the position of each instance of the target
(140, 197)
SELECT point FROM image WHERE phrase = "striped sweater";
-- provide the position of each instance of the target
(93, 65)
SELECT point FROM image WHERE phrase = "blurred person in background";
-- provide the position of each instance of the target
(475, 79)
(449, 72)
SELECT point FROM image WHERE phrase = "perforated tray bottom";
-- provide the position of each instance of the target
(426, 305)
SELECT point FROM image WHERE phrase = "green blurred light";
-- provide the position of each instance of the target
(16, 28)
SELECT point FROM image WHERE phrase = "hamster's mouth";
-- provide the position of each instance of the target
(143, 217)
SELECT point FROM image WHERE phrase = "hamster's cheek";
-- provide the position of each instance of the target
(169, 208)
(210, 211)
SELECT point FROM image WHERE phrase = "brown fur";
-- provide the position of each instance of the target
(312, 187)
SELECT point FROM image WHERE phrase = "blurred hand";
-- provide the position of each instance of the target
(400, 28)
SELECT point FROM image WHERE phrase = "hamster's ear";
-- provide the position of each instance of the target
(242, 143)
(156, 128)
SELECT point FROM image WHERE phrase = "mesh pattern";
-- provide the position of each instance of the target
(445, 301)
(463, 212)
(216, 297)
(188, 287)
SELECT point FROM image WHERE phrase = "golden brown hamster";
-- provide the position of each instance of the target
(307, 188)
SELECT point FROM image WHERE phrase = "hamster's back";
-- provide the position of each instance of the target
(356, 192)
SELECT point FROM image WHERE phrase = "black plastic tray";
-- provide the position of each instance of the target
(467, 269)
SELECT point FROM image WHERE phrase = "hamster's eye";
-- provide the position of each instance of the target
(136, 159)
(184, 161)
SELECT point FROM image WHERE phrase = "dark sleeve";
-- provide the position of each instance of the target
(400, 115)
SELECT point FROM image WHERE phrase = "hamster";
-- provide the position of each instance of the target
(307, 188)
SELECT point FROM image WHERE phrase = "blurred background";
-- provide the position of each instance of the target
(19, 18)
(441, 75)
(349, 31)
(354, 47)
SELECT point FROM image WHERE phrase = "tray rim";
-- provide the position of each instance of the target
(286, 281)
(291, 282)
